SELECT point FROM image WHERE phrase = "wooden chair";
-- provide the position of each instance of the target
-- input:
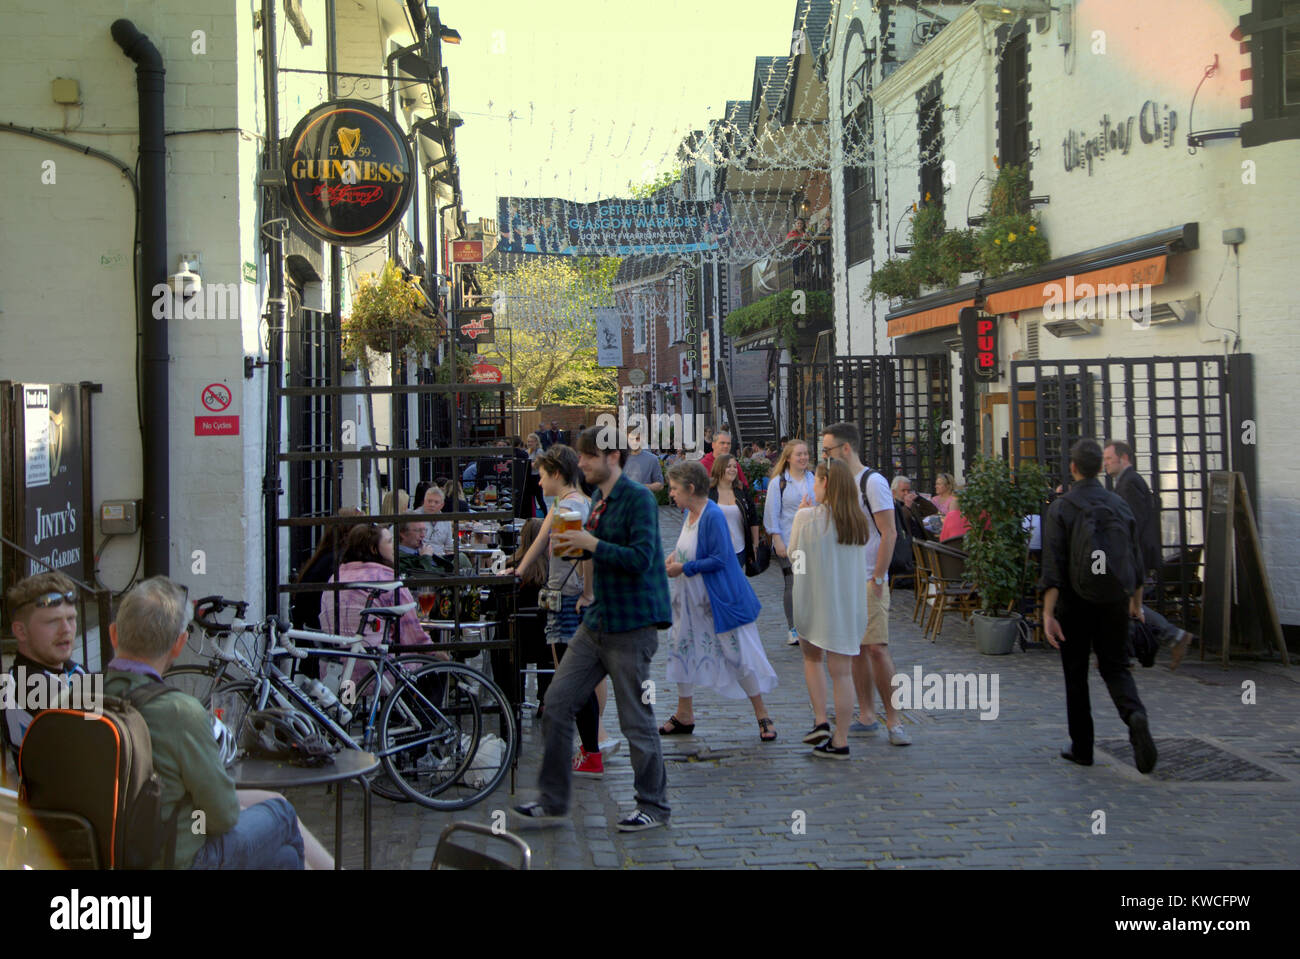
(451, 855)
(948, 574)
(921, 583)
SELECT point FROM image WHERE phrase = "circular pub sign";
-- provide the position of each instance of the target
(349, 171)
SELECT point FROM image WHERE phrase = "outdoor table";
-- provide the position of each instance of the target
(348, 764)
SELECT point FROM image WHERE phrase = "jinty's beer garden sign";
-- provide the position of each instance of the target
(610, 227)
(349, 172)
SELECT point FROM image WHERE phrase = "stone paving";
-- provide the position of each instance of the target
(967, 793)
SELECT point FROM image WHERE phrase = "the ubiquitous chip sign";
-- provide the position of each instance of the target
(979, 341)
(349, 172)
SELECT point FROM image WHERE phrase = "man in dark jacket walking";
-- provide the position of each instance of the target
(1078, 626)
(1117, 461)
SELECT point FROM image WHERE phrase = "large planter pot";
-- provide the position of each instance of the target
(995, 633)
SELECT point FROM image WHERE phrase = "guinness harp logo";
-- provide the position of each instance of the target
(349, 140)
(56, 443)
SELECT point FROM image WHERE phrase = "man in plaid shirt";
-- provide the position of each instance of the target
(618, 638)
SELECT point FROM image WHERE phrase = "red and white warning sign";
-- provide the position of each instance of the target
(212, 419)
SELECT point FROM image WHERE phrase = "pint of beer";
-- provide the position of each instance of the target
(569, 521)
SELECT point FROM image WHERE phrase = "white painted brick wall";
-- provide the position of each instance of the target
(1149, 189)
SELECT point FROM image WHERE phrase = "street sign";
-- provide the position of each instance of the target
(212, 418)
(467, 251)
(475, 326)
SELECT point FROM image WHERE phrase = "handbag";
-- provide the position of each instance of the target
(761, 560)
(1143, 643)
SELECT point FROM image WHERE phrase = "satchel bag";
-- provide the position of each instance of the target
(761, 559)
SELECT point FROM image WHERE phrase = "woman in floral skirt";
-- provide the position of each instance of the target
(714, 642)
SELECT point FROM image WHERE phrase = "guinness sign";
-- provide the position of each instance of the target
(349, 172)
(475, 326)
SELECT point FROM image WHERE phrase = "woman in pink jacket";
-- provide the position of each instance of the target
(368, 558)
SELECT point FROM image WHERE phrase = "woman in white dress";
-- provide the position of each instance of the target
(829, 540)
(714, 641)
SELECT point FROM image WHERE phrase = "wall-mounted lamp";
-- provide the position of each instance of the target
(185, 281)
(1013, 11)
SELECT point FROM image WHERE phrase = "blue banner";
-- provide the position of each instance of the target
(610, 227)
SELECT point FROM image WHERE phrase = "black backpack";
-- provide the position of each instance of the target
(902, 563)
(1100, 528)
(101, 767)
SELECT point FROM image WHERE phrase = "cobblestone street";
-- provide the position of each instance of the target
(967, 793)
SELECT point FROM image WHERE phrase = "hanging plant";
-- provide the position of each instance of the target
(895, 279)
(385, 315)
(1012, 238)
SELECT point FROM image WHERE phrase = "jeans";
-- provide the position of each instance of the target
(591, 656)
(1165, 631)
(1103, 629)
(266, 837)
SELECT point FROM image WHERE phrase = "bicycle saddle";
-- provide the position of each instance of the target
(388, 612)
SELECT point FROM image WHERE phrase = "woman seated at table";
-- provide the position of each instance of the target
(453, 498)
(954, 525)
(368, 558)
(945, 497)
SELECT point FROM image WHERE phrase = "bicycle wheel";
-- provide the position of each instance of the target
(227, 698)
(357, 699)
(448, 740)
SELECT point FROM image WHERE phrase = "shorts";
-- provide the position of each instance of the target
(877, 633)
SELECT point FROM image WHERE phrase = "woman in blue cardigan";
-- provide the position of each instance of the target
(714, 641)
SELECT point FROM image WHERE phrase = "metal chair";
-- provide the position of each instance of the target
(529, 614)
(921, 582)
(451, 855)
(948, 574)
(42, 839)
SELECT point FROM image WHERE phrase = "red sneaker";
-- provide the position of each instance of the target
(588, 764)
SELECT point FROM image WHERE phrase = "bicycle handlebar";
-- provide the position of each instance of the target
(208, 606)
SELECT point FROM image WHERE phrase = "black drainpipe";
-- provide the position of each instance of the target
(156, 451)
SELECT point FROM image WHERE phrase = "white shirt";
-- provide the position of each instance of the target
(779, 509)
(734, 526)
(880, 498)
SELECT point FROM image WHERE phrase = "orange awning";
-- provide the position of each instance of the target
(927, 319)
(1150, 272)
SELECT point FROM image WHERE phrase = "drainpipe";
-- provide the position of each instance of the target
(154, 385)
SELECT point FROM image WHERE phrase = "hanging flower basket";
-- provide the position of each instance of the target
(386, 315)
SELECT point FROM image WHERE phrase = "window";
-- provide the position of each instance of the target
(1013, 104)
(859, 183)
(638, 323)
(929, 124)
(1274, 30)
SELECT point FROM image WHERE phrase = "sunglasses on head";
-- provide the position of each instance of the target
(46, 600)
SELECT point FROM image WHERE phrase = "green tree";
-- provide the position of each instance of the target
(550, 303)
(645, 191)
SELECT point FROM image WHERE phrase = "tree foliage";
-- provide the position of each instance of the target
(550, 303)
(645, 191)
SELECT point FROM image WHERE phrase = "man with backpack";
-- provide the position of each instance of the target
(873, 664)
(1092, 577)
(1117, 461)
(198, 795)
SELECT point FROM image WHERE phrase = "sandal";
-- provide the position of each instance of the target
(675, 727)
(766, 726)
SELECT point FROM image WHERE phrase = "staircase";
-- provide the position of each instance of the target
(754, 423)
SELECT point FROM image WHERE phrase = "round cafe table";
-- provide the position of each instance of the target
(348, 764)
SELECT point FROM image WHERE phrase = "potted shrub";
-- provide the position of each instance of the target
(996, 501)
(386, 313)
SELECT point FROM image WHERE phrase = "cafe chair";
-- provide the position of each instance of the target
(45, 839)
(452, 855)
(921, 582)
(954, 593)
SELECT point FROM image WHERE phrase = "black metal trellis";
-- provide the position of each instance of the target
(1173, 411)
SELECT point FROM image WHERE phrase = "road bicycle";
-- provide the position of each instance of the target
(445, 733)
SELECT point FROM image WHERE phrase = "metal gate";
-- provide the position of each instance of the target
(900, 403)
(1173, 411)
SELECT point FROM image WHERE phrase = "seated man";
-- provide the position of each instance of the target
(150, 632)
(414, 555)
(901, 487)
(43, 616)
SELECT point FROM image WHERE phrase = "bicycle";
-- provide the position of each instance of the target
(425, 719)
